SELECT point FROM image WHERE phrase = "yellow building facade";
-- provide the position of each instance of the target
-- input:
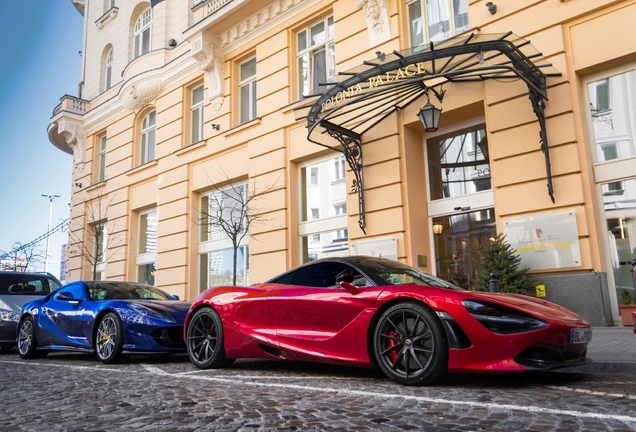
(184, 104)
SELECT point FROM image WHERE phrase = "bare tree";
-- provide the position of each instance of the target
(97, 245)
(21, 257)
(231, 209)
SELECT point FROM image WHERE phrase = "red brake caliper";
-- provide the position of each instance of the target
(393, 354)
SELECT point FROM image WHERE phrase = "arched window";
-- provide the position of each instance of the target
(143, 33)
(108, 70)
(147, 138)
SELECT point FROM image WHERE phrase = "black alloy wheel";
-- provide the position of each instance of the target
(205, 340)
(109, 339)
(27, 342)
(410, 344)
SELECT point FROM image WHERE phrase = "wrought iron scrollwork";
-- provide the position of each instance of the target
(352, 149)
(538, 106)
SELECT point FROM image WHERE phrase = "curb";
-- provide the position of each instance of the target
(607, 367)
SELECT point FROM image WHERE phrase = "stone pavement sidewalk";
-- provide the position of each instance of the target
(612, 349)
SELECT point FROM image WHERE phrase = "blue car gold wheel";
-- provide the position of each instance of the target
(410, 344)
(205, 340)
(27, 343)
(109, 339)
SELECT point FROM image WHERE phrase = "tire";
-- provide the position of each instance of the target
(109, 339)
(27, 342)
(410, 344)
(204, 339)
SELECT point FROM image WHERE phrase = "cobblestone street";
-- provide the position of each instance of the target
(76, 392)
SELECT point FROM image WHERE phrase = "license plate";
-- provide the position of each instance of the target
(580, 335)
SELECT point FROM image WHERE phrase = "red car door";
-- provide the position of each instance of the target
(315, 318)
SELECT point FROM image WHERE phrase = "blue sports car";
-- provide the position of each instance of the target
(104, 317)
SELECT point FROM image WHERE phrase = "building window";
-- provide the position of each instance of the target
(222, 211)
(147, 247)
(142, 33)
(108, 4)
(99, 233)
(459, 164)
(147, 138)
(602, 99)
(316, 57)
(196, 114)
(323, 226)
(435, 20)
(216, 267)
(101, 160)
(339, 169)
(313, 176)
(108, 70)
(247, 91)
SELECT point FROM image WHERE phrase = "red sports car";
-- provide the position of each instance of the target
(370, 312)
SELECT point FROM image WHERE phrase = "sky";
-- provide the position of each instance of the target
(40, 63)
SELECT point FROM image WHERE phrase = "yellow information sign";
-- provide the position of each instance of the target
(540, 290)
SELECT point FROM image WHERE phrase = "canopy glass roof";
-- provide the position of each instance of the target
(363, 96)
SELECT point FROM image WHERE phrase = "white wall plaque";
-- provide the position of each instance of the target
(545, 241)
(381, 248)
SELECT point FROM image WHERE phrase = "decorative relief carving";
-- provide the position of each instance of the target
(140, 93)
(377, 17)
(75, 136)
(206, 50)
(259, 19)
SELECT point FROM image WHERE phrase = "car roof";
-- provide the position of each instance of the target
(38, 274)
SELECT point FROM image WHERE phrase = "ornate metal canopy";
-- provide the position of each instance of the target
(362, 97)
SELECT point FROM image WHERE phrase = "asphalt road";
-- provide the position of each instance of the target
(76, 392)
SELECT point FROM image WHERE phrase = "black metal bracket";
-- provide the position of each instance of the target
(352, 149)
(538, 106)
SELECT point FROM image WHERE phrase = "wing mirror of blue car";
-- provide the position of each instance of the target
(67, 297)
(174, 297)
(350, 287)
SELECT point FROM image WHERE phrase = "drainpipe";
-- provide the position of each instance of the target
(83, 52)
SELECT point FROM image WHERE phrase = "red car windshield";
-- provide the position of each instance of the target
(394, 273)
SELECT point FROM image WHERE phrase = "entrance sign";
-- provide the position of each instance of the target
(545, 241)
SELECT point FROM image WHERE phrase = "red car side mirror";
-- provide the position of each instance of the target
(350, 287)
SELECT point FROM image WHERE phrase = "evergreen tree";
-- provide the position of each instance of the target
(500, 258)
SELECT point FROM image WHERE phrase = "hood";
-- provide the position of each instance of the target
(537, 307)
(176, 309)
(15, 302)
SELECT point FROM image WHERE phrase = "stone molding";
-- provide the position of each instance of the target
(375, 12)
(206, 50)
(141, 93)
(73, 131)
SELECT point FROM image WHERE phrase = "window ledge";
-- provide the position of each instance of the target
(242, 127)
(107, 17)
(95, 186)
(190, 147)
(139, 168)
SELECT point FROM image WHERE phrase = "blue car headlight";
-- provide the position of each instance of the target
(7, 315)
(152, 313)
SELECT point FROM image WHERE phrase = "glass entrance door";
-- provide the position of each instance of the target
(619, 201)
(458, 240)
(461, 204)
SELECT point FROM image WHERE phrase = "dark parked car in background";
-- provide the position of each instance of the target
(17, 289)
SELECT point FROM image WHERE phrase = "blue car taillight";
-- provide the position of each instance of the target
(501, 319)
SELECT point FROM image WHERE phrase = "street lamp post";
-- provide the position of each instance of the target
(46, 256)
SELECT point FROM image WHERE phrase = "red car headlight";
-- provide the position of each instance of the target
(502, 320)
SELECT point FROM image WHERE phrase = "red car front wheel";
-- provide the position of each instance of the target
(410, 344)
(204, 339)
